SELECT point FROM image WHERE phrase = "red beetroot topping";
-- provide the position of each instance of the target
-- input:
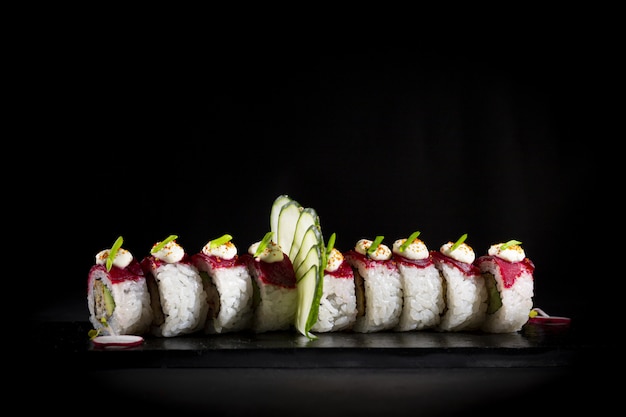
(419, 263)
(214, 261)
(274, 273)
(150, 263)
(344, 271)
(510, 271)
(132, 272)
(467, 269)
(353, 256)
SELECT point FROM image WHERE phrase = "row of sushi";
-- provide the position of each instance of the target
(369, 288)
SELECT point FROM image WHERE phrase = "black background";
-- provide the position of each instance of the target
(495, 137)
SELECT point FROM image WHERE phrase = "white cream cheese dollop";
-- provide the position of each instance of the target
(463, 253)
(227, 250)
(271, 253)
(416, 250)
(123, 258)
(171, 253)
(382, 252)
(335, 259)
(512, 253)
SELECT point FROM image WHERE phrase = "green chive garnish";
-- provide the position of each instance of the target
(220, 241)
(375, 244)
(510, 243)
(162, 244)
(409, 240)
(331, 244)
(458, 242)
(113, 252)
(263, 244)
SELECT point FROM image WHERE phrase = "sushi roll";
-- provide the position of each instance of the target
(422, 286)
(228, 286)
(178, 298)
(275, 297)
(117, 295)
(465, 291)
(508, 276)
(337, 306)
(377, 285)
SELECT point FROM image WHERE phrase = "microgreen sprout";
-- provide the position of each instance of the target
(263, 244)
(113, 252)
(161, 245)
(458, 242)
(409, 240)
(510, 243)
(220, 241)
(375, 244)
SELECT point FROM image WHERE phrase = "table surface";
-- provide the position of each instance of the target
(369, 374)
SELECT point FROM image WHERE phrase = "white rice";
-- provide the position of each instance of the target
(276, 309)
(132, 314)
(337, 309)
(466, 300)
(181, 299)
(423, 298)
(382, 295)
(229, 291)
(516, 301)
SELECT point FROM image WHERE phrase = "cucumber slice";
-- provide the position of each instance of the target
(308, 218)
(307, 306)
(278, 204)
(312, 238)
(313, 258)
(286, 228)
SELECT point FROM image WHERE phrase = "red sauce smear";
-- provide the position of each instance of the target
(214, 261)
(467, 269)
(344, 271)
(274, 273)
(132, 272)
(353, 256)
(510, 271)
(419, 263)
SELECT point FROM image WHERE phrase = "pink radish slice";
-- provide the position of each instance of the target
(118, 341)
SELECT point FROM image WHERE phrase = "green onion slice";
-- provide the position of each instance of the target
(263, 244)
(113, 252)
(510, 243)
(220, 241)
(458, 242)
(375, 244)
(331, 244)
(409, 240)
(162, 244)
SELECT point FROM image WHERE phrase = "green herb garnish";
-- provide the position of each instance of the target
(510, 243)
(220, 241)
(161, 245)
(375, 244)
(458, 242)
(331, 244)
(409, 240)
(263, 244)
(113, 252)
